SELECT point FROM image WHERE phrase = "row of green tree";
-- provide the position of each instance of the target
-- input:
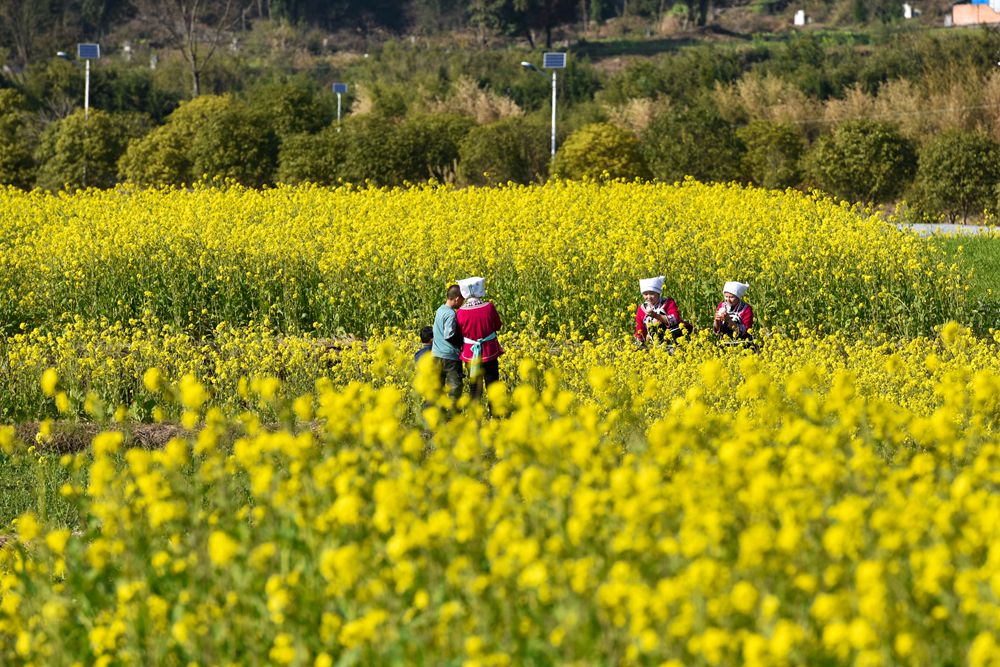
(217, 49)
(413, 77)
(955, 174)
(39, 27)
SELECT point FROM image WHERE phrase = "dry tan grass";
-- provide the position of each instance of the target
(637, 113)
(468, 99)
(990, 99)
(903, 102)
(955, 108)
(364, 101)
(855, 104)
(770, 98)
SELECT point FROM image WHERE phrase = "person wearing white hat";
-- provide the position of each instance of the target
(657, 315)
(734, 316)
(479, 321)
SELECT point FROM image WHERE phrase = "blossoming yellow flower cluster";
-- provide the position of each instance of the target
(562, 254)
(831, 499)
(826, 501)
(98, 370)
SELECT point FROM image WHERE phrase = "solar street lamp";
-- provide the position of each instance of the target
(339, 89)
(552, 60)
(87, 52)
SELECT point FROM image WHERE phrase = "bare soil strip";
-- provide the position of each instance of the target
(72, 437)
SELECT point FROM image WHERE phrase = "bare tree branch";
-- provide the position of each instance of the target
(196, 28)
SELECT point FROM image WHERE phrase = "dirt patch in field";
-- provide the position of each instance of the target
(71, 437)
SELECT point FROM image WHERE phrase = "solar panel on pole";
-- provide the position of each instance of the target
(340, 89)
(88, 51)
(553, 60)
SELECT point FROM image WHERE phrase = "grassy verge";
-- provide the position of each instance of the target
(979, 257)
(33, 483)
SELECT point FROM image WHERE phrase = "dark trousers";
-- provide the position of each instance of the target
(451, 377)
(675, 334)
(682, 329)
(489, 372)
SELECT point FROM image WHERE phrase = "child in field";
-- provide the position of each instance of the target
(734, 317)
(446, 343)
(426, 338)
(656, 316)
(479, 322)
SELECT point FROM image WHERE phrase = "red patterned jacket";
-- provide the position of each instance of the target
(646, 326)
(738, 321)
(478, 322)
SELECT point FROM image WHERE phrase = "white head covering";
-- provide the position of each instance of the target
(735, 288)
(474, 286)
(651, 285)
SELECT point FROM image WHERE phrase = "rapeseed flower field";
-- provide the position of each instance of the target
(830, 499)
(564, 257)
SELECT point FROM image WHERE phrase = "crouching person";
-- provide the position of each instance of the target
(657, 316)
(733, 320)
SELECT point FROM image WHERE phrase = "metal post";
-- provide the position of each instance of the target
(86, 115)
(339, 89)
(553, 113)
(86, 92)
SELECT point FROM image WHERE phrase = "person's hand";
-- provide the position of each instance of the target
(671, 321)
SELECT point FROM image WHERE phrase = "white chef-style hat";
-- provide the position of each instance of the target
(735, 288)
(475, 286)
(651, 285)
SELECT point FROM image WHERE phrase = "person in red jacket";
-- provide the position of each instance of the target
(656, 315)
(479, 321)
(734, 317)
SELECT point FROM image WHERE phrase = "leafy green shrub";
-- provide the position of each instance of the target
(372, 148)
(957, 175)
(693, 141)
(210, 137)
(598, 151)
(16, 141)
(772, 154)
(513, 149)
(163, 157)
(78, 152)
(53, 84)
(292, 107)
(312, 158)
(862, 160)
(372, 153)
(681, 75)
(236, 143)
(131, 89)
(428, 146)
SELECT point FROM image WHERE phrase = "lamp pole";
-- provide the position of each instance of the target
(339, 89)
(553, 61)
(87, 52)
(86, 91)
(553, 114)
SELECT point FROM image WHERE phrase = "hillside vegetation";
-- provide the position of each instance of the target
(877, 111)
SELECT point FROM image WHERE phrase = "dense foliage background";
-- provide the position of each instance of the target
(855, 104)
